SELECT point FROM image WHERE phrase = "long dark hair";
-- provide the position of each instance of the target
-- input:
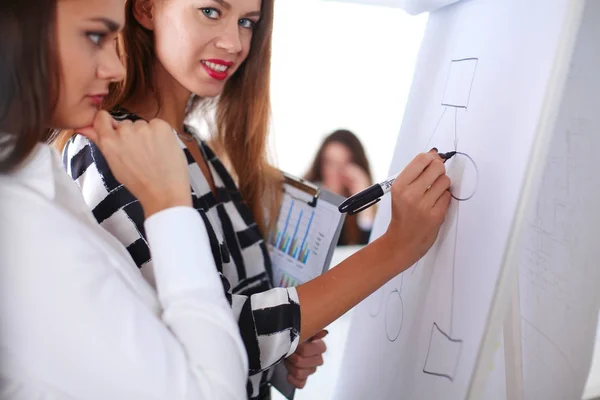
(352, 143)
(351, 233)
(28, 77)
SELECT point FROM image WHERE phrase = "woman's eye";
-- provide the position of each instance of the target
(247, 23)
(210, 13)
(95, 37)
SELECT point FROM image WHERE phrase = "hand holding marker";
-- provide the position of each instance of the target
(373, 194)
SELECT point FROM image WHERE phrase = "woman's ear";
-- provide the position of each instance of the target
(143, 11)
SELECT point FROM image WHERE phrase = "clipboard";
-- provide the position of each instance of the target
(302, 243)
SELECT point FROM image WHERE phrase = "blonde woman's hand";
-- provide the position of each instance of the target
(306, 360)
(146, 158)
(420, 200)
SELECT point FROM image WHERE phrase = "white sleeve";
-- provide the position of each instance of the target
(189, 286)
(72, 325)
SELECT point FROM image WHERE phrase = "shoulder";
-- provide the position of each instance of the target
(46, 237)
(86, 165)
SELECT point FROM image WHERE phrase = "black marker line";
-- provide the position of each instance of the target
(466, 59)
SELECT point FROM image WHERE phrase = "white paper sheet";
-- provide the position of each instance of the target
(560, 272)
(490, 63)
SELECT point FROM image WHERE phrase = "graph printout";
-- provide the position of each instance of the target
(301, 241)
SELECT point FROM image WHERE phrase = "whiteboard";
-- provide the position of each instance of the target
(485, 83)
(559, 274)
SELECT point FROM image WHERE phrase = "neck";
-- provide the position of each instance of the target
(167, 101)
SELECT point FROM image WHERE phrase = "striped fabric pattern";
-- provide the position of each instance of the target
(269, 318)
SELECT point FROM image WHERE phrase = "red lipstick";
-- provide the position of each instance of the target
(216, 68)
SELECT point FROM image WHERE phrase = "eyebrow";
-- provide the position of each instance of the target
(224, 4)
(111, 25)
(227, 6)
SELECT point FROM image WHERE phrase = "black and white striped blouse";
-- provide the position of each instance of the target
(269, 318)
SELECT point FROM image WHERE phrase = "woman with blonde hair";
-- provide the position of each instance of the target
(181, 54)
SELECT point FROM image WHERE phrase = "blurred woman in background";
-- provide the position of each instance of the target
(341, 166)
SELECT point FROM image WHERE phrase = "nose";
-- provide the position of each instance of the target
(111, 68)
(229, 39)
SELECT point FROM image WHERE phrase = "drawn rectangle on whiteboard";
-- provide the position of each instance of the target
(442, 355)
(460, 81)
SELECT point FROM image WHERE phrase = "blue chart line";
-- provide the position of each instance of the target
(287, 222)
(304, 252)
(275, 232)
(293, 248)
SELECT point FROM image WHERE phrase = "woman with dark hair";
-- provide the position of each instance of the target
(341, 166)
(77, 320)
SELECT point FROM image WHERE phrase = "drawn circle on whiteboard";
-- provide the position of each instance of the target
(375, 301)
(394, 315)
(464, 175)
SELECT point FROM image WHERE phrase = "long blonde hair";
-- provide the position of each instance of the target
(242, 111)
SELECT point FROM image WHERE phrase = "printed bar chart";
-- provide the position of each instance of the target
(302, 238)
(292, 234)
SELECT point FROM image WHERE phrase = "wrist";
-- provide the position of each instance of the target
(154, 205)
(400, 254)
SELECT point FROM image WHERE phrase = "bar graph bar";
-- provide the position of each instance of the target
(287, 280)
(282, 237)
(294, 247)
(303, 256)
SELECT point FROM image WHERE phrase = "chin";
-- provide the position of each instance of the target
(205, 93)
(74, 117)
(209, 88)
(83, 119)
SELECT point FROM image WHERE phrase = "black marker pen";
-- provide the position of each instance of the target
(371, 195)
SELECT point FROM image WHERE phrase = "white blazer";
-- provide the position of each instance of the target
(77, 319)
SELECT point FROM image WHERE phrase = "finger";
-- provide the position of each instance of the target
(320, 335)
(415, 168)
(140, 123)
(124, 126)
(104, 125)
(89, 133)
(133, 128)
(439, 187)
(304, 373)
(297, 383)
(313, 348)
(441, 206)
(305, 362)
(159, 125)
(444, 200)
(429, 176)
(300, 373)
